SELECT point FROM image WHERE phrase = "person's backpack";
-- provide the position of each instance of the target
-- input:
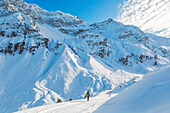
(88, 93)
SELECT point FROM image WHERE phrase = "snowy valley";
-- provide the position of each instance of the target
(46, 56)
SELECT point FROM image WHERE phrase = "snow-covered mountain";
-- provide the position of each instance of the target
(151, 16)
(50, 55)
(34, 12)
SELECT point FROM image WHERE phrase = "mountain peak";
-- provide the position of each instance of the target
(41, 16)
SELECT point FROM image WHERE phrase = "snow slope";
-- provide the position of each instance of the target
(75, 106)
(43, 78)
(152, 16)
(150, 95)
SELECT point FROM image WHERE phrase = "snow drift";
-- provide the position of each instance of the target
(150, 95)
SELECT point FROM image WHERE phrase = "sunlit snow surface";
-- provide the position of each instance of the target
(61, 56)
(152, 16)
(151, 95)
(75, 106)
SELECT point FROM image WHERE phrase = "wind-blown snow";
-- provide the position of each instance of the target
(150, 95)
(152, 16)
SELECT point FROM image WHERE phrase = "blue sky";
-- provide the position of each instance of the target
(88, 10)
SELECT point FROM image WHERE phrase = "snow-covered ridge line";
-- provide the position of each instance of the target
(55, 19)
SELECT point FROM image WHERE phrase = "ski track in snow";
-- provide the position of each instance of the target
(75, 106)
